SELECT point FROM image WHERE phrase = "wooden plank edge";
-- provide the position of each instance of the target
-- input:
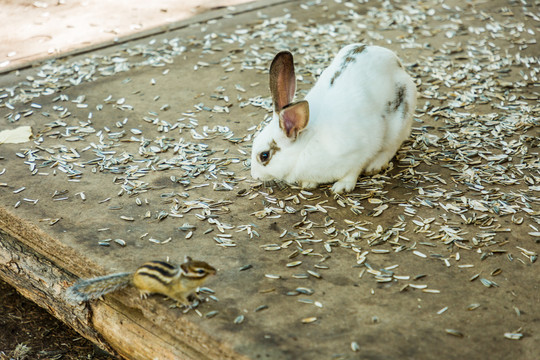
(121, 323)
(42, 243)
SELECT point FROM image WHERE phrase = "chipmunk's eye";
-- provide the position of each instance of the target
(200, 271)
(264, 157)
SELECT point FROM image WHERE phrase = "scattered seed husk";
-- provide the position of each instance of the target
(454, 332)
(309, 320)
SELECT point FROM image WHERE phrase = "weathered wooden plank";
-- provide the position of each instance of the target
(120, 324)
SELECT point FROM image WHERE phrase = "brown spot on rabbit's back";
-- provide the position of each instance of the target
(334, 78)
(398, 101)
(348, 59)
(358, 49)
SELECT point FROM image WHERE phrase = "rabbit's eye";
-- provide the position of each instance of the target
(264, 156)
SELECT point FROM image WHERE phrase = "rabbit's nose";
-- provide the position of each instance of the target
(254, 174)
(257, 175)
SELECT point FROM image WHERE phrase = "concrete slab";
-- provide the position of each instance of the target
(36, 30)
(136, 143)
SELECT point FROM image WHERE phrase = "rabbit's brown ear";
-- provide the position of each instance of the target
(282, 80)
(294, 118)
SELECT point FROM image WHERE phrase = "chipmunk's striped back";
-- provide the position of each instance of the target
(161, 271)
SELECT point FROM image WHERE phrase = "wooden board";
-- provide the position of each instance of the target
(89, 179)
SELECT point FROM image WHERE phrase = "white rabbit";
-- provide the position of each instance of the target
(352, 121)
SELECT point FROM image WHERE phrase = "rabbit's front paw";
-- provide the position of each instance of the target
(374, 171)
(380, 163)
(308, 185)
(344, 185)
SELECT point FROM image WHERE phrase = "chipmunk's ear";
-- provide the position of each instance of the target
(187, 259)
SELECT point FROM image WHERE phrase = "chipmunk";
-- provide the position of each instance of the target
(176, 282)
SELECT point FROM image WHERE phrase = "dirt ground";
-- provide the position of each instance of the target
(30, 332)
(434, 258)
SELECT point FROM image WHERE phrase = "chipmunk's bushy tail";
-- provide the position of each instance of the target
(91, 289)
